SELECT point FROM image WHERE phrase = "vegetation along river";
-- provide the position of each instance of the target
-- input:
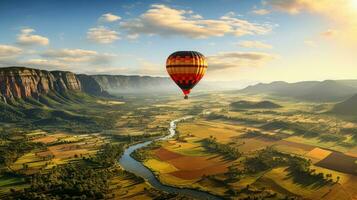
(133, 166)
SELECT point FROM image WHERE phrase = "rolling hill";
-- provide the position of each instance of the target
(324, 91)
(347, 107)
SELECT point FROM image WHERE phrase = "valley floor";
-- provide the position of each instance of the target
(329, 159)
(294, 150)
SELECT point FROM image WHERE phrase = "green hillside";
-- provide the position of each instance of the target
(72, 111)
(347, 107)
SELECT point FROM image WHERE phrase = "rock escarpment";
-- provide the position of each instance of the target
(21, 82)
(134, 83)
(91, 86)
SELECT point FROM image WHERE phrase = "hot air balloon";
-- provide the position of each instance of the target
(186, 68)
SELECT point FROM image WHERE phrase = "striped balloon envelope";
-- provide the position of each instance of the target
(186, 68)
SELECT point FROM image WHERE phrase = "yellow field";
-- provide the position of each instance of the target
(204, 129)
(279, 177)
(253, 144)
(318, 154)
(186, 169)
(173, 180)
(227, 132)
(78, 146)
(291, 149)
(124, 187)
(162, 167)
(190, 148)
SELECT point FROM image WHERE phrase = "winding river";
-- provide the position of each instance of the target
(133, 166)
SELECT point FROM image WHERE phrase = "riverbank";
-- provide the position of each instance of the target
(130, 164)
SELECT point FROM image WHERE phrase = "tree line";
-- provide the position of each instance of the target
(224, 149)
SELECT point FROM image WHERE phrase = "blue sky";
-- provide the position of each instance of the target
(244, 40)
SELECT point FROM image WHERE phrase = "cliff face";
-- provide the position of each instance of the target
(20, 82)
(91, 86)
(133, 83)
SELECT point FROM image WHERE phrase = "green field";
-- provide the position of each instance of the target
(259, 152)
(309, 134)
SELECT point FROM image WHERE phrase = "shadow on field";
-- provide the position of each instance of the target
(306, 180)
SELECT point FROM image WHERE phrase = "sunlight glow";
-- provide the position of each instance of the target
(354, 4)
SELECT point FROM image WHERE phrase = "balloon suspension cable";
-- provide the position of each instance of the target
(186, 97)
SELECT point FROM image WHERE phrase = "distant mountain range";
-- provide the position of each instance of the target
(22, 83)
(121, 83)
(319, 91)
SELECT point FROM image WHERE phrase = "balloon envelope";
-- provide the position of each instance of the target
(186, 68)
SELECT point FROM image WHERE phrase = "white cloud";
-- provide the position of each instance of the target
(341, 15)
(326, 7)
(261, 11)
(7, 51)
(44, 63)
(163, 20)
(102, 35)
(132, 36)
(73, 56)
(226, 60)
(255, 44)
(72, 53)
(26, 37)
(337, 10)
(109, 17)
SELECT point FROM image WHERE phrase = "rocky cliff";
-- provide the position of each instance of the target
(91, 86)
(121, 83)
(21, 82)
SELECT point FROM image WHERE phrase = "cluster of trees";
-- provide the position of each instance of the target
(215, 116)
(109, 154)
(299, 167)
(70, 180)
(264, 160)
(304, 129)
(134, 138)
(255, 133)
(233, 174)
(79, 180)
(224, 149)
(11, 150)
(250, 193)
(351, 131)
(306, 174)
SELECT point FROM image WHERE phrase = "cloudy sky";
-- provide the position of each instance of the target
(244, 40)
